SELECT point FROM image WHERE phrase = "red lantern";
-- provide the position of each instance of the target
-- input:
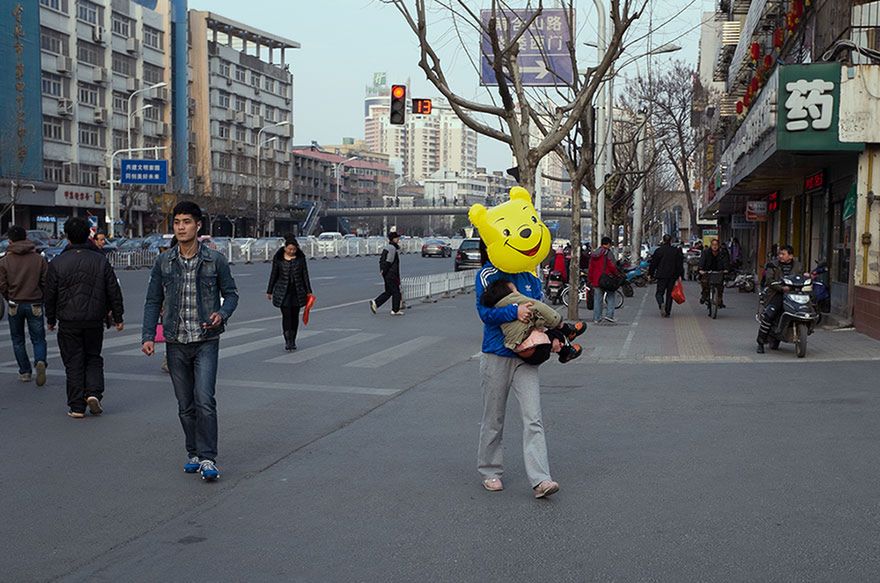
(755, 51)
(797, 8)
(740, 107)
(768, 61)
(754, 85)
(778, 38)
(747, 99)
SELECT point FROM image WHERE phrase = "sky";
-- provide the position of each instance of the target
(345, 41)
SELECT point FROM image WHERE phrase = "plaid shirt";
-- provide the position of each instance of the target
(189, 328)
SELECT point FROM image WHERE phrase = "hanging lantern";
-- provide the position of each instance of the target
(778, 37)
(754, 85)
(755, 51)
(740, 107)
(797, 8)
(747, 99)
(768, 62)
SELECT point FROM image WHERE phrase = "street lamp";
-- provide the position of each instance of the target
(259, 168)
(130, 97)
(339, 166)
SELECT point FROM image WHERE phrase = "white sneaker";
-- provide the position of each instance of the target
(373, 307)
(610, 319)
(397, 313)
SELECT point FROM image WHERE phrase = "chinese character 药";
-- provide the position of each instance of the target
(810, 104)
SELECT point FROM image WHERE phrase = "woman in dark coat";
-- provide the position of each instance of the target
(289, 287)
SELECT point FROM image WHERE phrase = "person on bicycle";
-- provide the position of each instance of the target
(713, 259)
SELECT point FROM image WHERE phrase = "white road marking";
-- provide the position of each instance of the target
(230, 334)
(240, 349)
(624, 351)
(324, 349)
(383, 357)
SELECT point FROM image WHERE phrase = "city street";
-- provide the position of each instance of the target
(353, 458)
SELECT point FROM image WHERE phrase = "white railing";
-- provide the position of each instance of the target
(133, 259)
(428, 288)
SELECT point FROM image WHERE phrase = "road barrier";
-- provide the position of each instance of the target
(428, 288)
(133, 259)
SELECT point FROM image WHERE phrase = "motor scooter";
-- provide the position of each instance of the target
(555, 284)
(821, 292)
(744, 282)
(798, 317)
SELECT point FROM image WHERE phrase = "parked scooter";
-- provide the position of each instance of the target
(744, 282)
(635, 275)
(821, 292)
(798, 317)
(554, 286)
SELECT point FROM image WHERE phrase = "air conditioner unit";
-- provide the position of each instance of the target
(192, 105)
(133, 46)
(229, 81)
(102, 173)
(268, 154)
(100, 75)
(239, 148)
(136, 124)
(256, 89)
(162, 94)
(64, 64)
(192, 137)
(230, 114)
(132, 84)
(65, 107)
(230, 145)
(163, 129)
(240, 116)
(100, 116)
(99, 34)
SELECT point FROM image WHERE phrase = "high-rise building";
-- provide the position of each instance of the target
(425, 144)
(241, 111)
(80, 80)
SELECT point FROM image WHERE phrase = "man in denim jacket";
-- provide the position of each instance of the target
(186, 285)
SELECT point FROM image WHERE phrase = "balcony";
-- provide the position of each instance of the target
(759, 24)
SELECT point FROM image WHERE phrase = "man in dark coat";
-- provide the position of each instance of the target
(667, 266)
(389, 267)
(715, 258)
(81, 288)
(783, 266)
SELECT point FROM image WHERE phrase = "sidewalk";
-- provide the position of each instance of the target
(641, 334)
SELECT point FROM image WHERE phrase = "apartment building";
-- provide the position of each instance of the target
(241, 121)
(85, 86)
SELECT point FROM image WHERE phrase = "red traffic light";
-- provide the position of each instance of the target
(398, 104)
(398, 91)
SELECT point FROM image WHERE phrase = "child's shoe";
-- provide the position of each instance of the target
(570, 352)
(572, 331)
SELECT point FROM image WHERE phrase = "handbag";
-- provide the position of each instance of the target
(160, 333)
(608, 282)
(310, 301)
(678, 292)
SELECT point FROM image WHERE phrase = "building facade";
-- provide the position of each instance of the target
(241, 122)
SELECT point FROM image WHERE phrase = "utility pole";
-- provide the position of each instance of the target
(639, 194)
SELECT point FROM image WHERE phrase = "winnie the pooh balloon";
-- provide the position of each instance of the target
(516, 239)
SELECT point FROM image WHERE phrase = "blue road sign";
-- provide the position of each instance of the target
(144, 172)
(544, 59)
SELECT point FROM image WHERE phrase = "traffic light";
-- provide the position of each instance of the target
(422, 106)
(398, 104)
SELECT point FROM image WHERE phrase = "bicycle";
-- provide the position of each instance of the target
(715, 280)
(584, 290)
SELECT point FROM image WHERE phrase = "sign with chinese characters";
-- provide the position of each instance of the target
(773, 202)
(143, 172)
(741, 223)
(756, 211)
(815, 181)
(808, 108)
(68, 195)
(543, 58)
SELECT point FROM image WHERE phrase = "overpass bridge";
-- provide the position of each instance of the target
(421, 211)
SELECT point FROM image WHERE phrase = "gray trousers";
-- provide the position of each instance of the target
(498, 376)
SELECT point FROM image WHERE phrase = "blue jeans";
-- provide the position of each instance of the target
(610, 300)
(193, 369)
(25, 313)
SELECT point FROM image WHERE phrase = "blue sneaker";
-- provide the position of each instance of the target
(192, 465)
(208, 470)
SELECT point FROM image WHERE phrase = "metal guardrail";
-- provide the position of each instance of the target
(428, 287)
(133, 259)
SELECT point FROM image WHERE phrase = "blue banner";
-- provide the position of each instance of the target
(143, 172)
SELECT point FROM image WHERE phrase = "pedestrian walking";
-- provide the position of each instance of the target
(289, 287)
(186, 284)
(389, 267)
(504, 230)
(603, 273)
(81, 288)
(667, 266)
(101, 240)
(23, 286)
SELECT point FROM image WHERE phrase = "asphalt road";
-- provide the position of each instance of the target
(353, 459)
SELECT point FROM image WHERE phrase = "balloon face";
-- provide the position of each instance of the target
(515, 237)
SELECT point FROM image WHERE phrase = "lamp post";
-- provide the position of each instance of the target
(130, 98)
(339, 166)
(260, 145)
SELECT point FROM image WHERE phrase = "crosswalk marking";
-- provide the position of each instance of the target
(383, 357)
(226, 335)
(276, 341)
(324, 349)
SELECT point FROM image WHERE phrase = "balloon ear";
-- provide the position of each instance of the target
(477, 215)
(520, 193)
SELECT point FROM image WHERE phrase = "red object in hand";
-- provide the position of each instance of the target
(310, 301)
(678, 292)
(160, 333)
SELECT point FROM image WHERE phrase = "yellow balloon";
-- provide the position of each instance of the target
(515, 237)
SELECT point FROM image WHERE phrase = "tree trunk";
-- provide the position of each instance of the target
(575, 262)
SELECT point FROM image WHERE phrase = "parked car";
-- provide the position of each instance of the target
(436, 248)
(54, 251)
(40, 238)
(468, 255)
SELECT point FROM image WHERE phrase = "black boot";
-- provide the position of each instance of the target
(289, 341)
(760, 348)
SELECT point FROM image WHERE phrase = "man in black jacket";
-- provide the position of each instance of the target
(715, 258)
(667, 265)
(81, 288)
(389, 267)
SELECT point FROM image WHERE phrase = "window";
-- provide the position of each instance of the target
(89, 12)
(223, 100)
(59, 5)
(255, 79)
(270, 113)
(255, 108)
(269, 85)
(88, 175)
(54, 170)
(252, 137)
(224, 69)
(120, 103)
(240, 74)
(240, 103)
(88, 94)
(224, 130)
(224, 161)
(120, 140)
(153, 38)
(91, 135)
(123, 65)
(89, 53)
(155, 112)
(153, 74)
(53, 41)
(240, 134)
(53, 85)
(151, 142)
(121, 25)
(56, 129)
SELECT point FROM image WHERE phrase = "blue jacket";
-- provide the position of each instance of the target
(213, 280)
(526, 283)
